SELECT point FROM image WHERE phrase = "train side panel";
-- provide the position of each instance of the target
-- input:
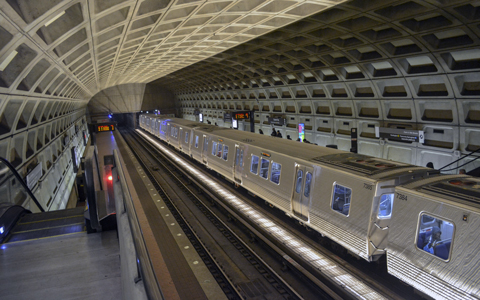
(433, 241)
(263, 185)
(197, 143)
(220, 155)
(345, 222)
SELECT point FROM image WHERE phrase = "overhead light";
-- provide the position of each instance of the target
(7, 60)
(54, 18)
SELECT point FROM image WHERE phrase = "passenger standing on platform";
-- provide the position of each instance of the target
(279, 134)
(260, 131)
(288, 137)
(462, 172)
(430, 165)
(274, 133)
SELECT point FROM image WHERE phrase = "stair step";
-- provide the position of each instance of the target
(52, 215)
(48, 223)
(46, 232)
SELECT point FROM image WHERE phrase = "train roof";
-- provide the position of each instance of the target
(363, 165)
(360, 164)
(456, 188)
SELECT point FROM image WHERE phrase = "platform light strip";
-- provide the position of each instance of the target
(355, 286)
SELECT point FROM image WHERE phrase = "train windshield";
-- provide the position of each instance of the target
(385, 207)
(341, 199)
(435, 236)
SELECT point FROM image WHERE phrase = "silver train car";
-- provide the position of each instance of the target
(433, 241)
(347, 197)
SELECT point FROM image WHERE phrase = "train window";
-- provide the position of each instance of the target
(435, 237)
(341, 199)
(241, 157)
(275, 173)
(219, 153)
(427, 220)
(308, 181)
(196, 141)
(254, 165)
(186, 137)
(172, 131)
(264, 168)
(298, 186)
(385, 207)
(225, 152)
(214, 148)
(205, 144)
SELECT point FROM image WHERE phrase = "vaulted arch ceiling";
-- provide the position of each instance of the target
(75, 49)
(356, 50)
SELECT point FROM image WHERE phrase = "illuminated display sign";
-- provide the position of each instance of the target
(105, 127)
(301, 131)
(242, 115)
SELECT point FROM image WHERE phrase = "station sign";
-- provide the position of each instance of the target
(402, 135)
(279, 121)
(241, 115)
(105, 127)
(227, 117)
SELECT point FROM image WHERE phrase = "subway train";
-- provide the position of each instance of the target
(424, 222)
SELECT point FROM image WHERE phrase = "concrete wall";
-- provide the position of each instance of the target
(157, 97)
(118, 99)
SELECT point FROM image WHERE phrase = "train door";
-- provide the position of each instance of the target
(302, 191)
(238, 164)
(205, 149)
(180, 137)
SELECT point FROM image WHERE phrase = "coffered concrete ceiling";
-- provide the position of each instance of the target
(75, 49)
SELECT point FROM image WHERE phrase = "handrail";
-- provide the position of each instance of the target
(20, 179)
(471, 153)
(144, 263)
(90, 164)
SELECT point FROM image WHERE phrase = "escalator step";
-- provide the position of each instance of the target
(53, 215)
(46, 232)
(36, 225)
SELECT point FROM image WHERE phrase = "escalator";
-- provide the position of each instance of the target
(47, 224)
(23, 218)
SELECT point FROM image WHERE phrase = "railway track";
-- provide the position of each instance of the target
(240, 272)
(298, 272)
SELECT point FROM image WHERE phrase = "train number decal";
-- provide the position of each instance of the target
(401, 197)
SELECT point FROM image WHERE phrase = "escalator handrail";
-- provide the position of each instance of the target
(22, 182)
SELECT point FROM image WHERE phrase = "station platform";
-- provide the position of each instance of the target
(180, 271)
(58, 262)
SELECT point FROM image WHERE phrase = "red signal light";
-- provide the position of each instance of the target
(110, 177)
